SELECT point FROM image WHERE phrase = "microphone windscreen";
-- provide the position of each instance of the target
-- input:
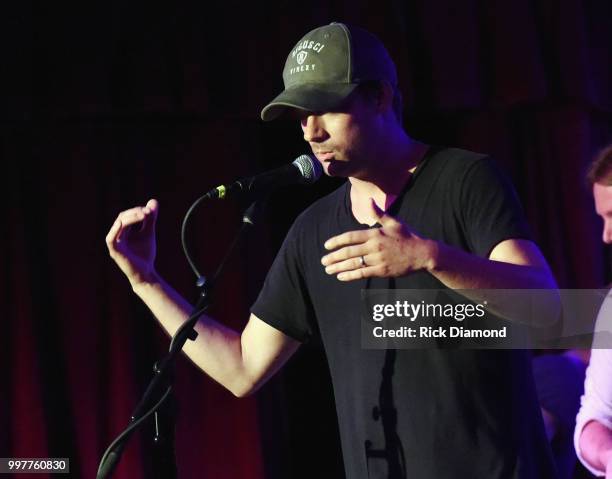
(309, 167)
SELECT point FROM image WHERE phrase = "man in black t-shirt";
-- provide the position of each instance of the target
(409, 216)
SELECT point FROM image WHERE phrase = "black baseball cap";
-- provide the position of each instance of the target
(326, 65)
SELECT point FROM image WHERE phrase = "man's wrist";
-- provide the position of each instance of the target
(432, 256)
(144, 281)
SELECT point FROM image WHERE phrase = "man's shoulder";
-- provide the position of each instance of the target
(454, 164)
(455, 157)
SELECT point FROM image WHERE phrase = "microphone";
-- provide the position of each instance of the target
(305, 169)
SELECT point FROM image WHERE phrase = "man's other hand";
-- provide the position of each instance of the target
(131, 242)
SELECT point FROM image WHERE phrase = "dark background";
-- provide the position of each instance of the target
(107, 104)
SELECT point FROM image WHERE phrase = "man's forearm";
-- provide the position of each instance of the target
(457, 269)
(596, 445)
(484, 280)
(217, 349)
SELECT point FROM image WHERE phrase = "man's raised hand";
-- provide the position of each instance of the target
(131, 242)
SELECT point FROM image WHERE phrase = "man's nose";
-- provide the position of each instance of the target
(312, 126)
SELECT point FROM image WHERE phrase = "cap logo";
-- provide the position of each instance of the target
(301, 57)
(308, 45)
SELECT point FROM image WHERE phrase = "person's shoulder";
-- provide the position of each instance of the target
(456, 157)
(462, 165)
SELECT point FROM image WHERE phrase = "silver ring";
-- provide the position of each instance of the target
(362, 259)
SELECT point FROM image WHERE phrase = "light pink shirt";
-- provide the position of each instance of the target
(596, 403)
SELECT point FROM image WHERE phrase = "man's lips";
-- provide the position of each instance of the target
(324, 155)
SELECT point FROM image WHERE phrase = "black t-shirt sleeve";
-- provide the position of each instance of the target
(284, 302)
(491, 209)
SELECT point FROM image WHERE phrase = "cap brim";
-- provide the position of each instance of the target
(310, 97)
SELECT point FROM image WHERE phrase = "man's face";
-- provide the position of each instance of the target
(343, 140)
(603, 207)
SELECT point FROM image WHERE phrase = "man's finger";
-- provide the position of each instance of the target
(381, 216)
(132, 216)
(128, 219)
(344, 253)
(152, 204)
(148, 224)
(349, 264)
(361, 273)
(348, 238)
(150, 211)
(111, 237)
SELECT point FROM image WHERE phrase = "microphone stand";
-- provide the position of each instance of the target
(156, 399)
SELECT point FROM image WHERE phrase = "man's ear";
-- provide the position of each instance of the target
(385, 97)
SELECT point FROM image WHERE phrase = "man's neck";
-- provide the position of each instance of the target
(387, 178)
